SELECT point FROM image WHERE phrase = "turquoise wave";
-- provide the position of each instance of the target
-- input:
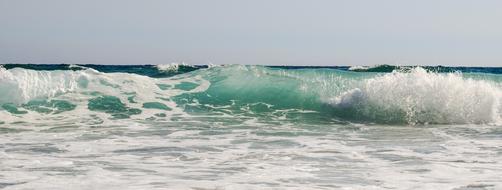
(415, 95)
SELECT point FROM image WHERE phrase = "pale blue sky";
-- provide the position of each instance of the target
(271, 32)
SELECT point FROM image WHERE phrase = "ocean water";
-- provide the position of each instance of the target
(250, 127)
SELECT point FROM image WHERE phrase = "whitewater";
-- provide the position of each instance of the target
(181, 126)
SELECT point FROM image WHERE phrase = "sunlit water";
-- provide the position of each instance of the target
(238, 127)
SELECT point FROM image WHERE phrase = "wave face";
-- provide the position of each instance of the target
(305, 94)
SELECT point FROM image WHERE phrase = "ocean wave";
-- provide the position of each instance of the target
(437, 69)
(420, 96)
(376, 68)
(414, 96)
(21, 85)
(172, 66)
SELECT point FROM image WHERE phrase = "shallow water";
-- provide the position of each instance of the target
(249, 154)
(240, 127)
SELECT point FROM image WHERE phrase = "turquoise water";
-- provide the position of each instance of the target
(249, 127)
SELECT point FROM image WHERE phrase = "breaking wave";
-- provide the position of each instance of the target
(419, 96)
(412, 96)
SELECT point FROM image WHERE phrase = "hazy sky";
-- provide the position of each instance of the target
(271, 32)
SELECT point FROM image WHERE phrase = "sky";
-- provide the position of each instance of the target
(257, 32)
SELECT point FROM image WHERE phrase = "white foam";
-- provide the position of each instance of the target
(352, 68)
(425, 97)
(20, 85)
(171, 67)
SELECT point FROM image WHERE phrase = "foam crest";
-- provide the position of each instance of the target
(419, 96)
(20, 85)
(172, 67)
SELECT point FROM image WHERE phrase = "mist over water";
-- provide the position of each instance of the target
(204, 127)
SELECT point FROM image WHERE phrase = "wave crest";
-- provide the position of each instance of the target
(175, 67)
(21, 85)
(420, 96)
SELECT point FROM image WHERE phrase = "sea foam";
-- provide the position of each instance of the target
(21, 85)
(419, 96)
